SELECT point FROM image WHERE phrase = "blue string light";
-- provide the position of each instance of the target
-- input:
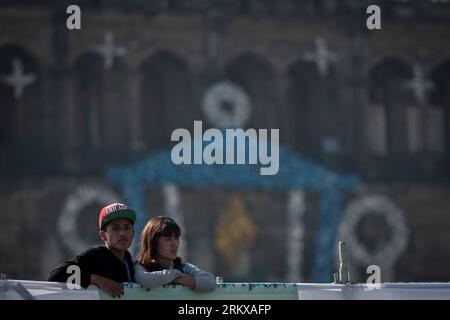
(294, 173)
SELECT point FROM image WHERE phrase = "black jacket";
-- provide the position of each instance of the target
(97, 260)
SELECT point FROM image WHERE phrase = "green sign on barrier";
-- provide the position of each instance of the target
(224, 291)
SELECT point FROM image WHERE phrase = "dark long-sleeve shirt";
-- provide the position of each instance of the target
(98, 260)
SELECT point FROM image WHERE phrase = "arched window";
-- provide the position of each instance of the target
(438, 133)
(21, 104)
(255, 75)
(391, 119)
(88, 100)
(100, 110)
(314, 111)
(165, 98)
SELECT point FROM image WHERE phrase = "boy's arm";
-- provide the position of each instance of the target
(113, 288)
(59, 274)
(62, 273)
(84, 262)
(88, 261)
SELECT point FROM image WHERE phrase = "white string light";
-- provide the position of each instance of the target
(172, 206)
(378, 205)
(74, 203)
(295, 235)
(235, 97)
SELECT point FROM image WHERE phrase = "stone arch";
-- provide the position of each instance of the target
(372, 61)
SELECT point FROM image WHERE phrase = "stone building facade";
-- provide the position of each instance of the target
(358, 111)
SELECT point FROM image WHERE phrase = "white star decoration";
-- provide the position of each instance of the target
(18, 79)
(109, 51)
(321, 56)
(419, 84)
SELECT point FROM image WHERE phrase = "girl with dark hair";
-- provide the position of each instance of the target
(158, 263)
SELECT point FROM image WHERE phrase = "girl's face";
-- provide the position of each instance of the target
(168, 247)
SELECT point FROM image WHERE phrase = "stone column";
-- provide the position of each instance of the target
(58, 120)
(137, 141)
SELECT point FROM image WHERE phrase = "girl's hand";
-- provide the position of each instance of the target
(186, 281)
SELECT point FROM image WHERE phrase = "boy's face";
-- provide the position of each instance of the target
(119, 234)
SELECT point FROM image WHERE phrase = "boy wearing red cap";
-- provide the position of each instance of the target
(108, 265)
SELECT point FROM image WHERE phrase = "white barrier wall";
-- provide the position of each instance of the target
(40, 290)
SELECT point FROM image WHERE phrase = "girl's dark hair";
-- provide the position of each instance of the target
(157, 227)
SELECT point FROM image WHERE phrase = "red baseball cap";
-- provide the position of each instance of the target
(115, 211)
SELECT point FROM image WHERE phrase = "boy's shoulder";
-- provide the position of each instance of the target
(99, 250)
(102, 253)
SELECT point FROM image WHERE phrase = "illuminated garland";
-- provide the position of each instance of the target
(295, 235)
(295, 173)
(378, 205)
(235, 97)
(172, 206)
(81, 197)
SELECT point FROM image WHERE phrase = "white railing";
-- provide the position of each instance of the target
(41, 290)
